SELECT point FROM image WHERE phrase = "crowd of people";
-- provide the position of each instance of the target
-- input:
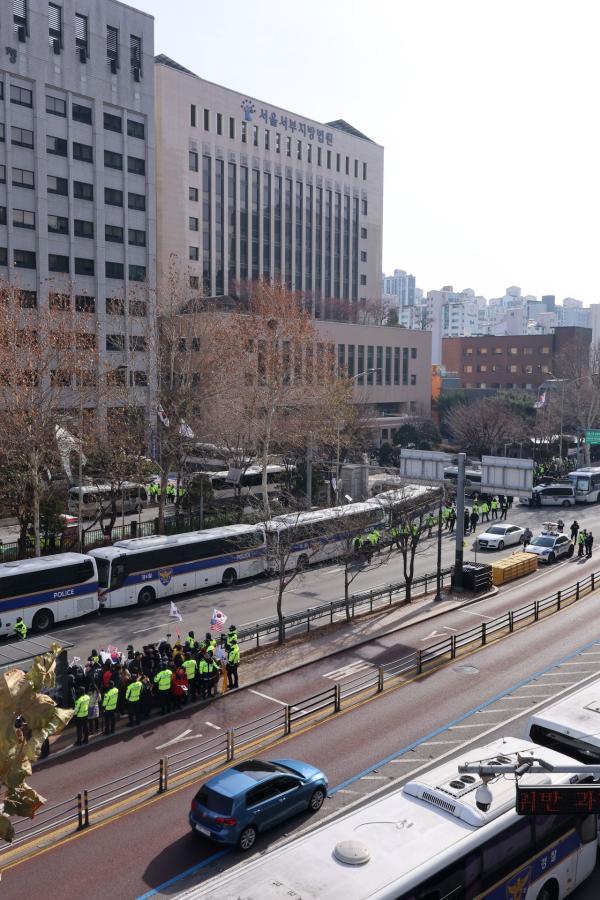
(158, 678)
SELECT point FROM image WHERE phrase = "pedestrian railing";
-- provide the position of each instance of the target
(200, 759)
(367, 601)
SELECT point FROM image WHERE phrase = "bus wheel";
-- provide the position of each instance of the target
(549, 891)
(229, 577)
(146, 596)
(43, 620)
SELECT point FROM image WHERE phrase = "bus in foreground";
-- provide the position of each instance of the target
(430, 841)
(586, 482)
(46, 590)
(142, 570)
(571, 725)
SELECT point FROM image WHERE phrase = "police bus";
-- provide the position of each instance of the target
(47, 590)
(586, 482)
(142, 570)
(430, 840)
(571, 725)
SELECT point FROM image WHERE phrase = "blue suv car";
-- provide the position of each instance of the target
(234, 806)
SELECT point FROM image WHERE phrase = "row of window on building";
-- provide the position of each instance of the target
(57, 106)
(21, 25)
(377, 365)
(526, 370)
(56, 146)
(27, 259)
(510, 351)
(24, 218)
(283, 144)
(289, 205)
(82, 190)
(495, 385)
(84, 303)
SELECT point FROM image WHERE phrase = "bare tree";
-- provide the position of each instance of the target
(483, 426)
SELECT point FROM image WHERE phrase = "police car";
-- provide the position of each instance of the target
(551, 544)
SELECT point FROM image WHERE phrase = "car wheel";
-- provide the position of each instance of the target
(229, 577)
(549, 891)
(566, 503)
(43, 620)
(146, 596)
(500, 545)
(570, 551)
(317, 800)
(552, 557)
(247, 838)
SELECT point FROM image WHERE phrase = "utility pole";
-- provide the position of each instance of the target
(460, 522)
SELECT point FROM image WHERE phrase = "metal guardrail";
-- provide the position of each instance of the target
(376, 598)
(223, 748)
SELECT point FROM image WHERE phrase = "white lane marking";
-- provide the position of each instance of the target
(275, 700)
(576, 664)
(523, 697)
(373, 777)
(473, 725)
(174, 740)
(433, 635)
(349, 669)
(216, 727)
(346, 791)
(470, 612)
(447, 627)
(149, 628)
(494, 711)
(410, 759)
(427, 743)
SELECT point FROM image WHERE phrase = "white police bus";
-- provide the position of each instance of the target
(46, 590)
(571, 725)
(586, 482)
(430, 840)
(142, 570)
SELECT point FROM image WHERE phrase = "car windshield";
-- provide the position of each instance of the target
(103, 569)
(496, 529)
(543, 541)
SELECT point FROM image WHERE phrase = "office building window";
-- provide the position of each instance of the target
(255, 135)
(81, 37)
(113, 160)
(219, 123)
(136, 166)
(84, 266)
(81, 113)
(413, 352)
(21, 137)
(318, 246)
(192, 115)
(113, 234)
(219, 226)
(413, 380)
(193, 161)
(365, 207)
(113, 269)
(337, 245)
(329, 159)
(193, 253)
(206, 217)
(346, 247)
(85, 304)
(298, 149)
(405, 365)
(308, 237)
(255, 221)
(299, 235)
(59, 301)
(115, 342)
(57, 263)
(396, 365)
(244, 265)
(115, 306)
(193, 194)
(2, 174)
(231, 222)
(338, 162)
(23, 218)
(82, 190)
(207, 120)
(21, 96)
(388, 365)
(58, 225)
(56, 146)
(136, 129)
(83, 152)
(27, 299)
(20, 23)
(193, 223)
(113, 122)
(288, 146)
(277, 142)
(112, 48)
(379, 366)
(361, 365)
(232, 127)
(328, 240)
(56, 106)
(135, 56)
(136, 201)
(137, 273)
(350, 368)
(363, 255)
(137, 343)
(363, 279)
(83, 228)
(319, 156)
(3, 256)
(267, 138)
(138, 308)
(347, 165)
(23, 178)
(194, 283)
(58, 185)
(136, 237)
(370, 364)
(266, 211)
(113, 197)
(364, 171)
(2, 215)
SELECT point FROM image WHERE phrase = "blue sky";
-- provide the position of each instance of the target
(488, 112)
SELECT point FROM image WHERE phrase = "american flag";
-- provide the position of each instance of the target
(217, 620)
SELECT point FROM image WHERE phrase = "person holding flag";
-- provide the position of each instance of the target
(217, 620)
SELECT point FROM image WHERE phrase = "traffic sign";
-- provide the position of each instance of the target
(592, 437)
(558, 799)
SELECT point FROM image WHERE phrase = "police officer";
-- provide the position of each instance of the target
(82, 705)
(231, 635)
(20, 629)
(589, 543)
(494, 507)
(485, 511)
(210, 645)
(132, 698)
(162, 680)
(190, 640)
(574, 530)
(581, 542)
(233, 661)
(109, 706)
(429, 523)
(395, 536)
(204, 673)
(190, 667)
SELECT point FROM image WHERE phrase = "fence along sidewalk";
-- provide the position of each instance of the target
(259, 733)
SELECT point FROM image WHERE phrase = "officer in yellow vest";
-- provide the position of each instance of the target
(163, 681)
(82, 705)
(20, 629)
(109, 705)
(233, 661)
(210, 645)
(190, 640)
(132, 698)
(190, 667)
(231, 636)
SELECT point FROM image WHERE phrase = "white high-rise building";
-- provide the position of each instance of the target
(399, 289)
(77, 191)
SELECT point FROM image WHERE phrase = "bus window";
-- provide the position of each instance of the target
(118, 572)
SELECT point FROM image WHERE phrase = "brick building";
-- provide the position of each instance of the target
(505, 362)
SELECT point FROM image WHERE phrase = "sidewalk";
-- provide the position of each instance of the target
(261, 664)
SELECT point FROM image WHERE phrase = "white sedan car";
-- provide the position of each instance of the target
(497, 537)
